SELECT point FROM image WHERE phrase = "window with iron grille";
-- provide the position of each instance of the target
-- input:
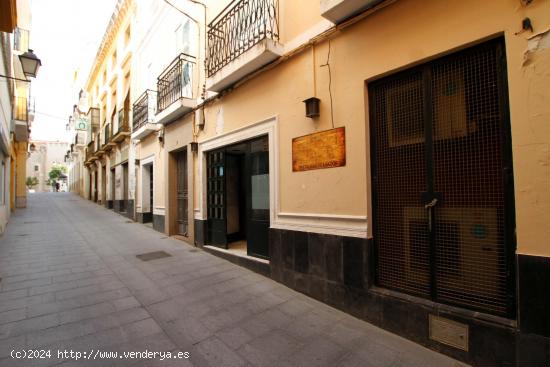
(442, 181)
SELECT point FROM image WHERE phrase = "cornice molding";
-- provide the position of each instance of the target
(120, 13)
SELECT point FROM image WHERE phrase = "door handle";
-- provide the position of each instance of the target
(431, 204)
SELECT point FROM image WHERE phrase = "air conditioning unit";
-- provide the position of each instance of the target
(467, 249)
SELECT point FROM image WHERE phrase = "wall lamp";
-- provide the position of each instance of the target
(30, 64)
(312, 107)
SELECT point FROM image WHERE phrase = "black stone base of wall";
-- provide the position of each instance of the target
(339, 271)
(117, 204)
(255, 266)
(109, 204)
(130, 209)
(200, 232)
(144, 217)
(158, 222)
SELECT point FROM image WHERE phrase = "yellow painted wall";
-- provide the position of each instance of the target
(150, 147)
(406, 33)
(21, 174)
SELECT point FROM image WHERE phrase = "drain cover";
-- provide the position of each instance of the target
(153, 255)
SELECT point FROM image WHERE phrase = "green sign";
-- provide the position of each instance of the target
(81, 124)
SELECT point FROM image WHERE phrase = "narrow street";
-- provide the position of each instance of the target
(71, 281)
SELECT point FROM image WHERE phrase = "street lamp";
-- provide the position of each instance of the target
(30, 63)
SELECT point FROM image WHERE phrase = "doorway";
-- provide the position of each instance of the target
(104, 185)
(124, 201)
(182, 219)
(443, 210)
(95, 186)
(147, 192)
(113, 187)
(238, 197)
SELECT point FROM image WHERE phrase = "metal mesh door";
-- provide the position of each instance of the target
(442, 181)
(182, 193)
(470, 258)
(401, 222)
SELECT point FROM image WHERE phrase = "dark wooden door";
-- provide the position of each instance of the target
(182, 194)
(216, 199)
(151, 190)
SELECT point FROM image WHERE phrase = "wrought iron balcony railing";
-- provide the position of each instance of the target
(144, 109)
(21, 109)
(93, 117)
(121, 122)
(90, 150)
(97, 142)
(175, 82)
(240, 26)
(106, 134)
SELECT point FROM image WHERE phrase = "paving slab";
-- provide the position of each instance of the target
(71, 281)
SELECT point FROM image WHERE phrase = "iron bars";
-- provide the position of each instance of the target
(144, 109)
(175, 82)
(240, 26)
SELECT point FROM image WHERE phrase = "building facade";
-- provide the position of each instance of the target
(42, 156)
(16, 105)
(391, 167)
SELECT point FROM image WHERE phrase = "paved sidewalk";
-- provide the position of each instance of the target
(71, 281)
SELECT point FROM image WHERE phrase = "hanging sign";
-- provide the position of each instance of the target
(81, 123)
(325, 149)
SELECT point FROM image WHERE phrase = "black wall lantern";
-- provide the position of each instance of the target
(194, 147)
(312, 107)
(30, 64)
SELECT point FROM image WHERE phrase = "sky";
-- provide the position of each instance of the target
(65, 35)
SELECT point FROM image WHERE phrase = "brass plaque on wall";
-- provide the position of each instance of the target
(449, 332)
(325, 149)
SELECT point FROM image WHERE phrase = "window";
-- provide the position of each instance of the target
(36, 168)
(185, 38)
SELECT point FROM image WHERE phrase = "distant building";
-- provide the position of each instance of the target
(43, 155)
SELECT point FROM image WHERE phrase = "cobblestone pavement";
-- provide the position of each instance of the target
(71, 282)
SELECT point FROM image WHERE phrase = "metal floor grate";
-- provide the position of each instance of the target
(148, 256)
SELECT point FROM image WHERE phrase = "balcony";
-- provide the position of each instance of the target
(80, 139)
(121, 126)
(21, 119)
(338, 11)
(106, 144)
(90, 151)
(241, 39)
(98, 146)
(175, 87)
(93, 118)
(144, 115)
